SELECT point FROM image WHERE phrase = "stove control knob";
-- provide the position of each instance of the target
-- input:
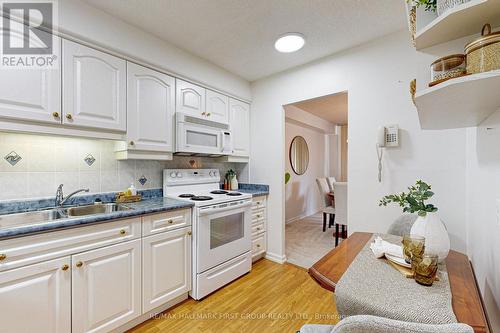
(212, 174)
(172, 174)
(179, 175)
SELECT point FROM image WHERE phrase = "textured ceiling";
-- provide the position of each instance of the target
(239, 35)
(332, 107)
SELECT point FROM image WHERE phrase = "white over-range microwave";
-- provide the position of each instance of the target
(196, 136)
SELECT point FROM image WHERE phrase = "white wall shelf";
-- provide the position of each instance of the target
(462, 102)
(463, 20)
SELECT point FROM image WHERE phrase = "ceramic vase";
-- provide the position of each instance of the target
(436, 236)
(234, 183)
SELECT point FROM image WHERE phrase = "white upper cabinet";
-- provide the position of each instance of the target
(163, 282)
(94, 88)
(106, 287)
(190, 99)
(32, 94)
(217, 107)
(239, 118)
(37, 298)
(150, 109)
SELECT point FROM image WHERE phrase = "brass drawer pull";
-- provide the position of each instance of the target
(208, 114)
(258, 228)
(69, 116)
(55, 114)
(65, 267)
(170, 221)
(258, 216)
(3, 257)
(122, 232)
(258, 245)
(203, 113)
(79, 264)
(132, 143)
(189, 233)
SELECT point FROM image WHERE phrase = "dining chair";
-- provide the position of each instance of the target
(373, 324)
(340, 190)
(330, 181)
(329, 210)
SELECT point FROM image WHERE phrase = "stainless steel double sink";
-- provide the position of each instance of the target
(44, 216)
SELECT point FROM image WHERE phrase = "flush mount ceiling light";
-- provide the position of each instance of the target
(289, 42)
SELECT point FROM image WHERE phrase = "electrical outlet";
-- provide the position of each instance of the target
(498, 211)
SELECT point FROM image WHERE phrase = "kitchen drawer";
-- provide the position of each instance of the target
(155, 223)
(259, 245)
(259, 202)
(32, 249)
(258, 228)
(258, 216)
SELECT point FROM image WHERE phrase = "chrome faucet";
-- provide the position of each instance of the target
(61, 200)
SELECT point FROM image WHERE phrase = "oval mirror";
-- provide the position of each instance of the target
(299, 155)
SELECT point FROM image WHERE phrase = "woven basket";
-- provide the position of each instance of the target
(483, 55)
(444, 5)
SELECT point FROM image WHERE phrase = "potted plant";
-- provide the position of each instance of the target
(429, 5)
(428, 223)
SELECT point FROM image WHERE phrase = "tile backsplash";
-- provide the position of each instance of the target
(32, 166)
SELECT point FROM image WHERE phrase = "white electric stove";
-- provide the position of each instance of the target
(221, 227)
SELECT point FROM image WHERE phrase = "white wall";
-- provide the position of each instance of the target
(90, 24)
(302, 195)
(376, 76)
(483, 224)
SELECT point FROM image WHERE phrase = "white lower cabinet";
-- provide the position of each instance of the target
(259, 227)
(166, 261)
(106, 287)
(36, 298)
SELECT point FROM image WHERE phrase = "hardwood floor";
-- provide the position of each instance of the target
(271, 298)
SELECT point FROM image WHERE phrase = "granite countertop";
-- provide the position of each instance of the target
(254, 189)
(147, 206)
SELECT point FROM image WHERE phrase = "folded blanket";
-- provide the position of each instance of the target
(380, 247)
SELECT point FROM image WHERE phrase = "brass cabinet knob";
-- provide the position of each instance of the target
(258, 216)
(55, 114)
(69, 116)
(189, 233)
(258, 245)
(132, 143)
(122, 232)
(208, 114)
(79, 264)
(170, 221)
(3, 257)
(65, 267)
(258, 202)
(203, 113)
(258, 228)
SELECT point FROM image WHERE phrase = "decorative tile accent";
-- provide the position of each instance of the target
(89, 159)
(13, 158)
(143, 180)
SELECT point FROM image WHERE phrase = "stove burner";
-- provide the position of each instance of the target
(219, 192)
(201, 198)
(234, 194)
(187, 195)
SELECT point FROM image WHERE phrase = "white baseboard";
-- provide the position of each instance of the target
(301, 216)
(276, 258)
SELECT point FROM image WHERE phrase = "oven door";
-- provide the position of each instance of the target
(224, 232)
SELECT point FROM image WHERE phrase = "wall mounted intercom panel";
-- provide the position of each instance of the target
(388, 136)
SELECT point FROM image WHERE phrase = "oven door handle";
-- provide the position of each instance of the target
(210, 210)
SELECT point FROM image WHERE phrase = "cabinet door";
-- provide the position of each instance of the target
(106, 287)
(150, 106)
(166, 267)
(217, 107)
(190, 99)
(36, 298)
(239, 117)
(32, 94)
(94, 88)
